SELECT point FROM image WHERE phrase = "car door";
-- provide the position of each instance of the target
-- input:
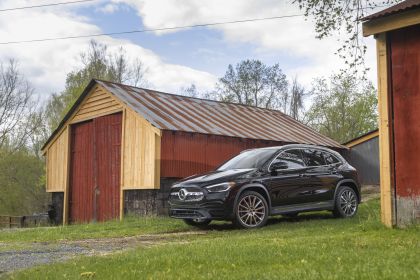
(318, 176)
(286, 185)
(333, 164)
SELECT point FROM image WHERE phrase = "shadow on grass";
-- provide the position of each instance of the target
(274, 220)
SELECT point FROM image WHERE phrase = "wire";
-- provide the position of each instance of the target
(45, 5)
(141, 30)
(148, 30)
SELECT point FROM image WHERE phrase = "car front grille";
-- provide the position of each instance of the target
(185, 213)
(186, 195)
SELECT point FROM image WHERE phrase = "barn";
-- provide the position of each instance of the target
(119, 148)
(397, 33)
(363, 154)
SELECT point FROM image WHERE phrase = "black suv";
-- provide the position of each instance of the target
(257, 183)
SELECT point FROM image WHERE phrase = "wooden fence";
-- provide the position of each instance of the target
(24, 221)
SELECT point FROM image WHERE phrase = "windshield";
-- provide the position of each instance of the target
(249, 159)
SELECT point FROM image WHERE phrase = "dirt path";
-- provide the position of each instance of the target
(45, 252)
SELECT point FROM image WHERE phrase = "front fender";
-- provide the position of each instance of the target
(252, 186)
(346, 181)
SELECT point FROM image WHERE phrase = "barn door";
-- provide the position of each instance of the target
(81, 173)
(108, 132)
(95, 169)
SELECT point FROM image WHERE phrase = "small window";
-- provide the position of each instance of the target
(329, 158)
(293, 158)
(313, 157)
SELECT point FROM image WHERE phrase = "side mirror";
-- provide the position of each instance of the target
(279, 165)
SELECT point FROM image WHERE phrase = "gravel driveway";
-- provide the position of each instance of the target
(47, 252)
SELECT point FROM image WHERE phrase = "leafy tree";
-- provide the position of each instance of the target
(98, 63)
(22, 183)
(253, 83)
(343, 108)
(343, 17)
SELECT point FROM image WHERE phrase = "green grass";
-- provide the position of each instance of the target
(128, 227)
(314, 246)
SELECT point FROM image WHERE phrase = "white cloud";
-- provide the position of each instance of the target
(109, 8)
(46, 64)
(293, 37)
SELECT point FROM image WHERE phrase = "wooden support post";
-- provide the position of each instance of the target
(124, 116)
(387, 194)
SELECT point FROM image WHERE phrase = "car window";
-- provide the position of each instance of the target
(293, 158)
(249, 159)
(313, 157)
(329, 158)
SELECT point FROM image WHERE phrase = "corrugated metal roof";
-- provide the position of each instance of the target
(179, 113)
(401, 7)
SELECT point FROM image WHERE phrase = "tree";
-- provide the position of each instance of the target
(22, 183)
(343, 17)
(297, 95)
(344, 108)
(17, 106)
(253, 83)
(190, 91)
(98, 63)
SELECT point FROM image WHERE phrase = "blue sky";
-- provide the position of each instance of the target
(174, 59)
(200, 48)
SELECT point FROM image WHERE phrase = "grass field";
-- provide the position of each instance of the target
(314, 246)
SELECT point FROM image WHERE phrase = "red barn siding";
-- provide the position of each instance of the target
(405, 71)
(95, 169)
(184, 153)
(108, 151)
(82, 179)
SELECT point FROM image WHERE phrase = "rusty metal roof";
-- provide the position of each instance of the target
(401, 7)
(180, 113)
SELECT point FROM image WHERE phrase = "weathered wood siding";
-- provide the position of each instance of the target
(141, 155)
(185, 154)
(57, 163)
(387, 213)
(98, 103)
(405, 88)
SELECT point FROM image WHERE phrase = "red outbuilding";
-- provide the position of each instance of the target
(120, 148)
(397, 33)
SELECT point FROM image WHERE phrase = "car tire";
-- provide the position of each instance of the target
(251, 210)
(197, 223)
(346, 203)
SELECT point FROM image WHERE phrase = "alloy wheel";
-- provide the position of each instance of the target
(348, 202)
(251, 210)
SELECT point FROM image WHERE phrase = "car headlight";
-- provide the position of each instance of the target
(222, 187)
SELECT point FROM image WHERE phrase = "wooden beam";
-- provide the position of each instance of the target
(362, 139)
(158, 140)
(124, 114)
(387, 201)
(67, 187)
(391, 22)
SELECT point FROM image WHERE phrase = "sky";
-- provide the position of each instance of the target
(173, 59)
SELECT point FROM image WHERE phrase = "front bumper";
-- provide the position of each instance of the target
(214, 206)
(198, 213)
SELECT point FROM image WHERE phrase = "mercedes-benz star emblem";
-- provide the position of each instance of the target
(182, 194)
